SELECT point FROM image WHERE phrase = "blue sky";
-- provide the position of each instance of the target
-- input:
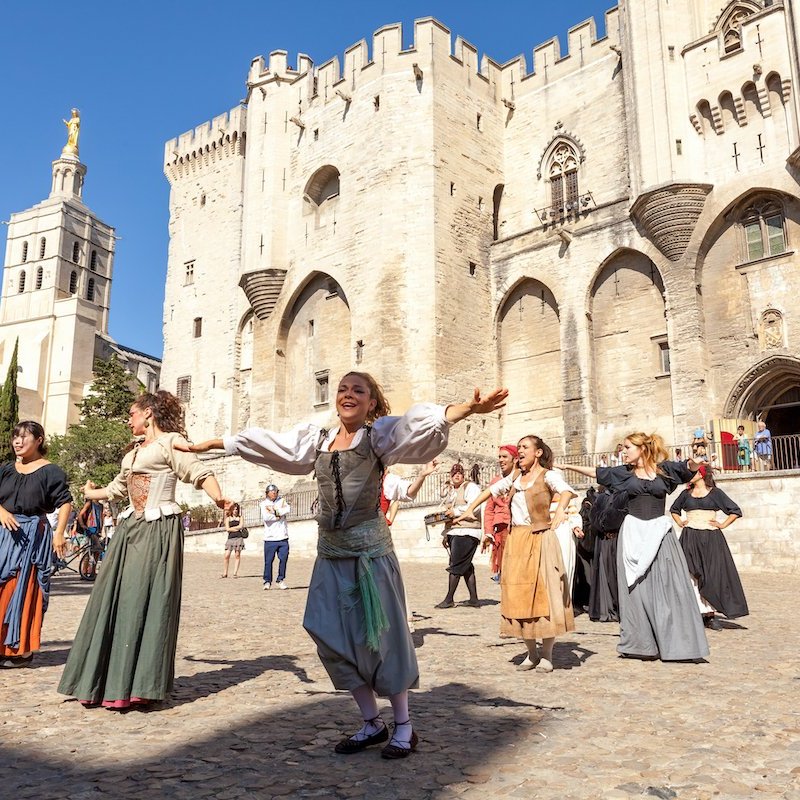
(144, 72)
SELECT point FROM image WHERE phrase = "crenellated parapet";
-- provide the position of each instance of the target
(432, 42)
(221, 138)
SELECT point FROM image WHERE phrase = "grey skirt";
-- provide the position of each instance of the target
(658, 615)
(336, 625)
(235, 543)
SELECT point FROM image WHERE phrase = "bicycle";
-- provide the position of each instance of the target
(88, 554)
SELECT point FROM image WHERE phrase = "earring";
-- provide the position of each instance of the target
(147, 423)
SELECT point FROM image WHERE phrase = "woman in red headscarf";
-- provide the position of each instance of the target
(496, 514)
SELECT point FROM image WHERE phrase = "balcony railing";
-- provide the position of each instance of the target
(567, 209)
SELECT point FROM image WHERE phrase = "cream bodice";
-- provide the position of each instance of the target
(149, 474)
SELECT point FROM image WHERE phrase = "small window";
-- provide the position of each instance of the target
(188, 274)
(480, 204)
(39, 277)
(183, 389)
(376, 101)
(21, 287)
(472, 267)
(90, 289)
(73, 282)
(563, 175)
(321, 388)
(479, 122)
(311, 329)
(678, 147)
(316, 134)
(76, 252)
(213, 380)
(359, 351)
(93, 261)
(198, 327)
(452, 189)
(42, 247)
(764, 232)
(663, 355)
(24, 252)
(202, 199)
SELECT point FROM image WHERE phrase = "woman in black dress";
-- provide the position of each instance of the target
(657, 606)
(29, 488)
(707, 553)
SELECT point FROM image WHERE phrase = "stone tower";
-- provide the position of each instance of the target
(56, 292)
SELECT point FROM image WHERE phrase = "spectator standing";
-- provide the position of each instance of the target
(762, 444)
(274, 510)
(236, 536)
(743, 452)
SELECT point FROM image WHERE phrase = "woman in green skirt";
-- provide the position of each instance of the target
(124, 650)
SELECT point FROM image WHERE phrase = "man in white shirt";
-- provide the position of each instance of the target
(274, 510)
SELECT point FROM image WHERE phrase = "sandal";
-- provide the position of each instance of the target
(395, 751)
(350, 745)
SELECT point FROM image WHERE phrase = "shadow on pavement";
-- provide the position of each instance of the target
(419, 634)
(288, 752)
(63, 584)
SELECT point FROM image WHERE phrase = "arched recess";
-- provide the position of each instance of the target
(497, 219)
(314, 338)
(529, 351)
(770, 390)
(630, 349)
(729, 23)
(243, 374)
(321, 195)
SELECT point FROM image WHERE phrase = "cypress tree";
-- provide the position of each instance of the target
(9, 408)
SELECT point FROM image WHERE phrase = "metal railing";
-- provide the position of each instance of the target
(724, 457)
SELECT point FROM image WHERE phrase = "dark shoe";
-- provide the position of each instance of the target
(445, 604)
(395, 751)
(473, 603)
(713, 623)
(350, 745)
(15, 662)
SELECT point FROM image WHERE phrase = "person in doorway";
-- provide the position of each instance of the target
(274, 511)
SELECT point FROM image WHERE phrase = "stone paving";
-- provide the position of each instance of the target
(253, 714)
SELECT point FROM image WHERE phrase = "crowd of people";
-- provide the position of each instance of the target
(614, 555)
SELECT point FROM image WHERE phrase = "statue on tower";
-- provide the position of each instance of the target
(73, 131)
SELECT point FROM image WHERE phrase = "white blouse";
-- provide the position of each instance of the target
(519, 508)
(415, 438)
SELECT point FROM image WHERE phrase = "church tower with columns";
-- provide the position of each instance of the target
(56, 293)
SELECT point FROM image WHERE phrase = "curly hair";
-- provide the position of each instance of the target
(382, 408)
(546, 458)
(167, 411)
(653, 449)
(34, 429)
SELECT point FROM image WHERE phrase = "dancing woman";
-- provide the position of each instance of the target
(124, 650)
(30, 488)
(355, 611)
(707, 553)
(658, 610)
(535, 598)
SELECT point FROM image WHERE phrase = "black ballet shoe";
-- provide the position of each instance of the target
(349, 745)
(712, 623)
(15, 662)
(472, 603)
(395, 751)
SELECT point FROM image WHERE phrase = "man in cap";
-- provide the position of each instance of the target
(274, 510)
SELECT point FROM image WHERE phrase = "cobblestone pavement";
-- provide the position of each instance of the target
(253, 714)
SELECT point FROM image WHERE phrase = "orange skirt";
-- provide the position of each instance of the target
(32, 613)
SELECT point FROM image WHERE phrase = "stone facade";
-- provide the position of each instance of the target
(56, 299)
(611, 234)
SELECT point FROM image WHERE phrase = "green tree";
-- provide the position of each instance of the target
(92, 449)
(110, 395)
(9, 407)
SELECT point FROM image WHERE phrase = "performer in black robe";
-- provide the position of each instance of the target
(604, 597)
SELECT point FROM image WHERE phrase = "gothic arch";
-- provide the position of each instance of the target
(729, 23)
(567, 139)
(322, 185)
(529, 355)
(770, 390)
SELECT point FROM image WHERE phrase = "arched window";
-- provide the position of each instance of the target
(76, 252)
(90, 289)
(24, 252)
(563, 175)
(93, 261)
(73, 282)
(763, 228)
(39, 276)
(42, 247)
(21, 287)
(730, 23)
(323, 185)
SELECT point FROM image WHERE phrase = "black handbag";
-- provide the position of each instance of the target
(244, 533)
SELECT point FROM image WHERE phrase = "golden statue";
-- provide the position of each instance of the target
(73, 131)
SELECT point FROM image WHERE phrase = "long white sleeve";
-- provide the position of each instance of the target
(415, 438)
(292, 453)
